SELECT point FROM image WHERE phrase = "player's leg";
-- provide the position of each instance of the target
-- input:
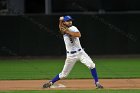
(85, 59)
(69, 63)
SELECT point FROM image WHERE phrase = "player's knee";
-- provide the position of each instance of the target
(91, 66)
(63, 76)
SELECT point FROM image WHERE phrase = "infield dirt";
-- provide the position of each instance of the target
(73, 84)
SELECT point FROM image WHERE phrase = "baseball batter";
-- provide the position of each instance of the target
(74, 52)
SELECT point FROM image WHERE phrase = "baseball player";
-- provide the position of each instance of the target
(74, 52)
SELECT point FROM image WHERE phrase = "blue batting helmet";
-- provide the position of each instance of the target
(67, 18)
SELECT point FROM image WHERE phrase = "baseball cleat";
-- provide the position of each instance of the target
(47, 85)
(99, 86)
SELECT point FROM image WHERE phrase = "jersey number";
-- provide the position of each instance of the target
(71, 40)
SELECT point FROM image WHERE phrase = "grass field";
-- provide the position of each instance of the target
(47, 68)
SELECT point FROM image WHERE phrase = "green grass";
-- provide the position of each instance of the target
(48, 68)
(75, 91)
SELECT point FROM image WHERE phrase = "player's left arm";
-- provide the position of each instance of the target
(73, 34)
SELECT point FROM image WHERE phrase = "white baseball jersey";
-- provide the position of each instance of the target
(72, 43)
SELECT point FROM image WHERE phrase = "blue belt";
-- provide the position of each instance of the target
(72, 52)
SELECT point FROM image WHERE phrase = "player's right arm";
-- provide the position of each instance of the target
(61, 22)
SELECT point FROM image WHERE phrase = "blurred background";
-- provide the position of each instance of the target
(108, 27)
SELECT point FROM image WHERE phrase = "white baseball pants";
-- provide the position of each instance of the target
(72, 59)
